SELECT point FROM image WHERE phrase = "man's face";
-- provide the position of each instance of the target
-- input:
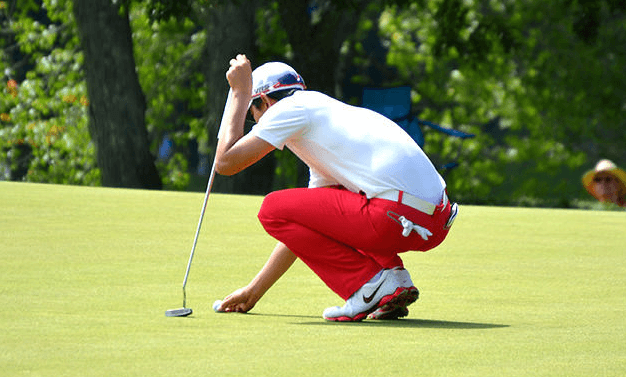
(263, 105)
(257, 112)
(606, 186)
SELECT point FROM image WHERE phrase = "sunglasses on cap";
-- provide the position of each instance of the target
(289, 79)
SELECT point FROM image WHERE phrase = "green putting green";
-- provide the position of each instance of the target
(87, 274)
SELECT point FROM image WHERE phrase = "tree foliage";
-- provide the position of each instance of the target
(527, 91)
(44, 135)
(169, 60)
(539, 83)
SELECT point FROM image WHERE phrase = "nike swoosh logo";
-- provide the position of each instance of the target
(369, 299)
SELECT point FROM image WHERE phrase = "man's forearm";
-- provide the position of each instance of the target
(232, 125)
(278, 263)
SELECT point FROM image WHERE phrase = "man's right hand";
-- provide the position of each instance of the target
(239, 76)
(240, 301)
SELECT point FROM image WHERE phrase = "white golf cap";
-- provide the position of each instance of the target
(273, 76)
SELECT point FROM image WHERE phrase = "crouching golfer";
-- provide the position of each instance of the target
(372, 192)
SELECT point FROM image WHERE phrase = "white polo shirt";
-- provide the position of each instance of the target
(349, 146)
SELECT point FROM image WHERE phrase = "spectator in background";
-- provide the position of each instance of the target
(607, 183)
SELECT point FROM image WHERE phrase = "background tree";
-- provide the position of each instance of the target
(539, 84)
(117, 104)
(43, 133)
(222, 45)
(524, 77)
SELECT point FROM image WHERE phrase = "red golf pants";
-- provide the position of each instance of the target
(344, 237)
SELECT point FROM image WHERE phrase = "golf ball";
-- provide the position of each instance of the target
(216, 305)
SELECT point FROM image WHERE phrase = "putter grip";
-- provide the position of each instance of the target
(226, 107)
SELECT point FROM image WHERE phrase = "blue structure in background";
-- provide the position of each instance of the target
(166, 148)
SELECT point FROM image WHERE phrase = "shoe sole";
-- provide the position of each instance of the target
(397, 308)
(402, 297)
(396, 313)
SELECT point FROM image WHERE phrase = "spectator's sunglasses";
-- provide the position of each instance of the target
(606, 178)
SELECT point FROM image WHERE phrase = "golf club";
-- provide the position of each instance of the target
(184, 311)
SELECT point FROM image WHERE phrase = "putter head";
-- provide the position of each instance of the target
(182, 312)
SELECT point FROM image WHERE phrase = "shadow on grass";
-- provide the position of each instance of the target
(413, 323)
(405, 323)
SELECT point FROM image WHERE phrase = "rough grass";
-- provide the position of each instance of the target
(87, 274)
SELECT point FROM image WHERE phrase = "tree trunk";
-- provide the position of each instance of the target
(230, 31)
(316, 47)
(116, 101)
(316, 44)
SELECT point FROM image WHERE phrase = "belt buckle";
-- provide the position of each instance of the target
(453, 212)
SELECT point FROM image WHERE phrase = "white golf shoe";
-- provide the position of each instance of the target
(398, 308)
(389, 290)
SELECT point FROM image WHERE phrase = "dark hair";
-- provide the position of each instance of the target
(277, 95)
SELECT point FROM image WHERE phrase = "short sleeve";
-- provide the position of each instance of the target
(282, 122)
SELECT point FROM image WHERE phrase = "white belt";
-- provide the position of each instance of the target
(411, 201)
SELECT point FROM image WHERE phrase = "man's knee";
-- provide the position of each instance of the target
(269, 208)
